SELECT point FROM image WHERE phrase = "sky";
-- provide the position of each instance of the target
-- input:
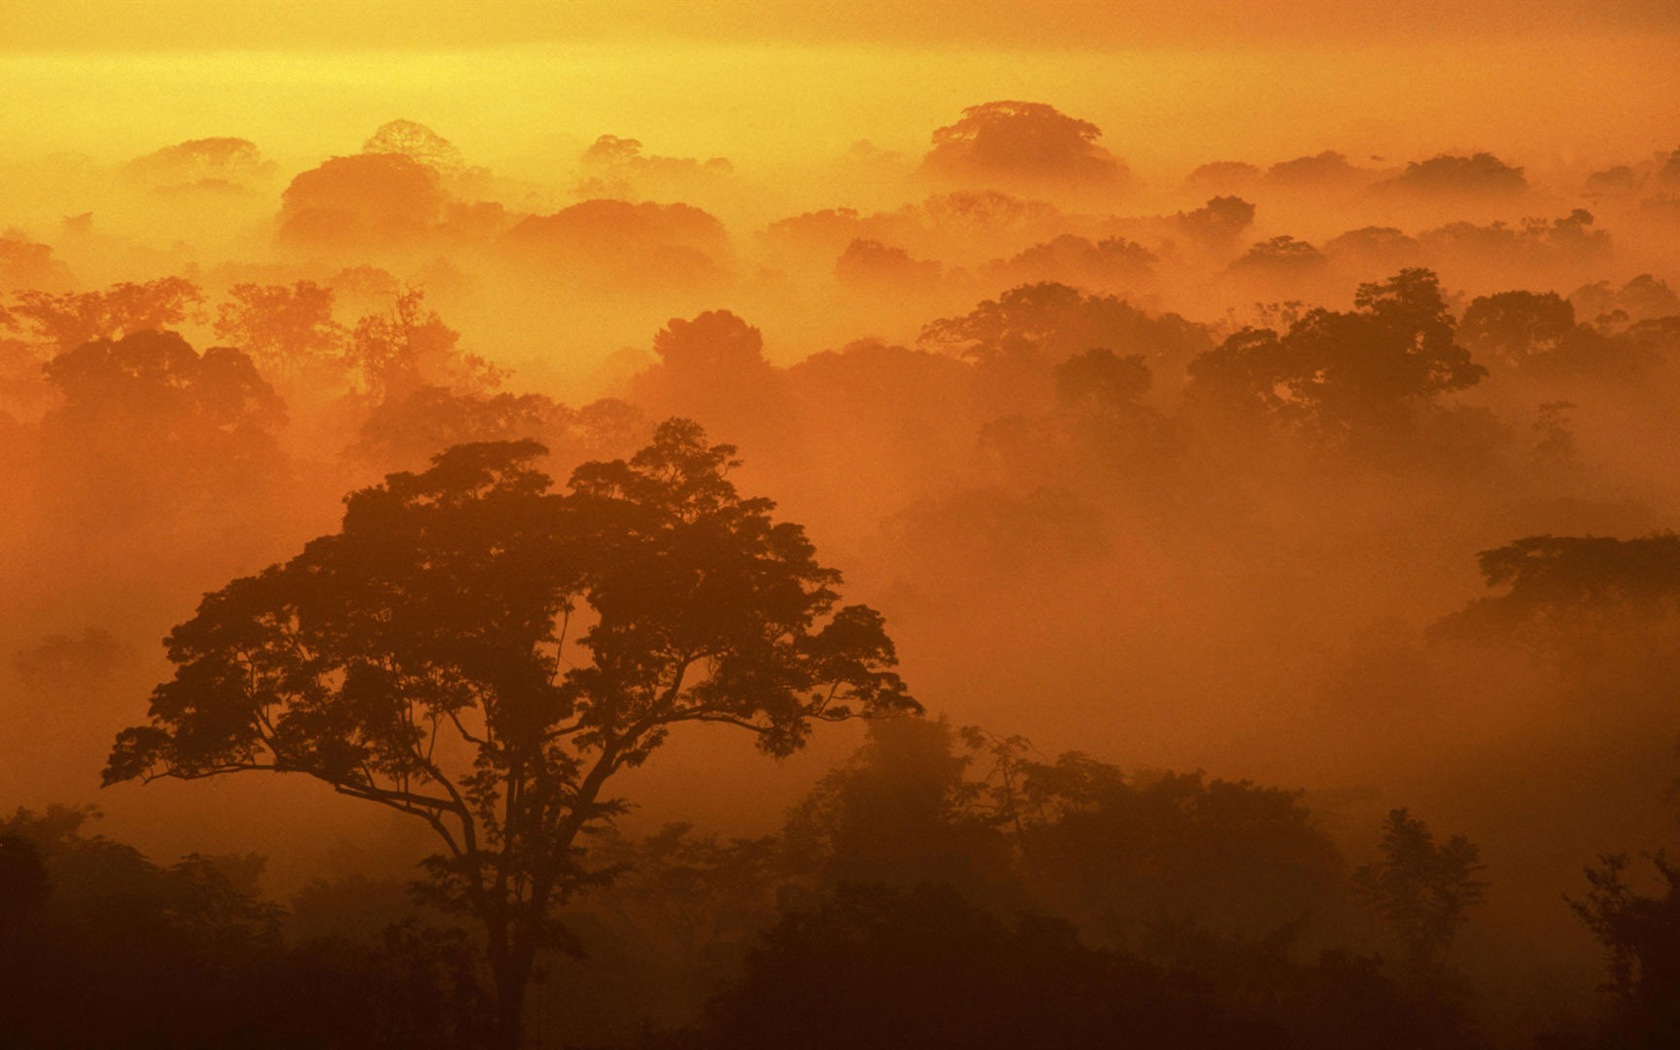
(519, 85)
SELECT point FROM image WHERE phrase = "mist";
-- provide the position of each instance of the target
(1178, 506)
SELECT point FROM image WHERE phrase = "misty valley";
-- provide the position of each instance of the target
(989, 594)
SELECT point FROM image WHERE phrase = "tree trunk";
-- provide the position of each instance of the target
(513, 975)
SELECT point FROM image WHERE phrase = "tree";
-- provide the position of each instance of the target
(1218, 223)
(1349, 379)
(900, 812)
(1327, 171)
(614, 244)
(1280, 256)
(1017, 338)
(713, 369)
(285, 330)
(417, 142)
(396, 353)
(1100, 381)
(1422, 889)
(401, 433)
(616, 168)
(1569, 595)
(1024, 144)
(1481, 175)
(484, 654)
(867, 263)
(1167, 855)
(922, 968)
(1055, 321)
(65, 322)
(1641, 934)
(27, 264)
(371, 200)
(1512, 327)
(215, 161)
(1071, 259)
(147, 420)
(101, 946)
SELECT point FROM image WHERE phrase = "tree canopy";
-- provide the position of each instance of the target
(1564, 593)
(1028, 143)
(1347, 377)
(484, 653)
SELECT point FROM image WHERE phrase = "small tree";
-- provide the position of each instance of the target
(1422, 889)
(484, 654)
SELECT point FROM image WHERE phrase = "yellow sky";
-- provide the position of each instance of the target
(1171, 84)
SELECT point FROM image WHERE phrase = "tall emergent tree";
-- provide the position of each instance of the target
(484, 653)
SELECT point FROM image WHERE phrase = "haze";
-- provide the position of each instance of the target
(1244, 434)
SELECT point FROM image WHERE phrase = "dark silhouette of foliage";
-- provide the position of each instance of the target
(1512, 327)
(146, 420)
(1642, 298)
(714, 343)
(1565, 241)
(1280, 256)
(1481, 174)
(922, 968)
(1113, 261)
(103, 947)
(1537, 336)
(1122, 853)
(1019, 336)
(669, 933)
(371, 200)
(24, 886)
(482, 653)
(1218, 223)
(1222, 176)
(1100, 381)
(1119, 855)
(1349, 379)
(158, 373)
(1567, 593)
(1641, 936)
(405, 433)
(900, 813)
(1422, 889)
(1027, 144)
(616, 168)
(614, 243)
(1380, 248)
(712, 368)
(1329, 170)
(866, 263)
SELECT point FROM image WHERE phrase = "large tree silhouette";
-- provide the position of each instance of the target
(1360, 379)
(484, 653)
